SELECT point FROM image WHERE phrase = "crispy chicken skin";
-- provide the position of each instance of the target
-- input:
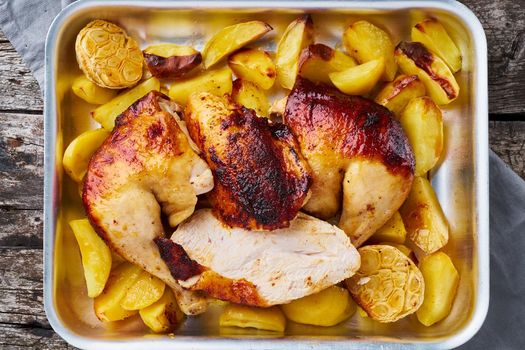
(358, 153)
(144, 165)
(261, 177)
(262, 268)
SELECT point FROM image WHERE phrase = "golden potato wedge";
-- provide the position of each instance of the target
(361, 312)
(232, 38)
(432, 34)
(424, 220)
(171, 61)
(96, 256)
(108, 112)
(440, 84)
(163, 315)
(423, 124)
(80, 150)
(396, 94)
(392, 231)
(217, 82)
(366, 42)
(250, 96)
(358, 80)
(278, 107)
(269, 319)
(296, 37)
(107, 305)
(146, 290)
(326, 308)
(91, 92)
(401, 247)
(318, 60)
(255, 66)
(441, 284)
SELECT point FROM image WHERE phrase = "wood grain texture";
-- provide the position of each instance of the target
(23, 324)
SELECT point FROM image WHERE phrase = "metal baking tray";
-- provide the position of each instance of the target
(461, 181)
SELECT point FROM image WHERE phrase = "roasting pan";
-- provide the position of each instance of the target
(461, 179)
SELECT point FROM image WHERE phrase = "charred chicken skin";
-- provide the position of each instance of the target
(261, 177)
(358, 153)
(144, 165)
(266, 268)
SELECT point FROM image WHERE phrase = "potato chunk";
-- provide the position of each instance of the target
(440, 84)
(217, 82)
(424, 220)
(255, 66)
(231, 39)
(250, 96)
(80, 150)
(108, 112)
(366, 42)
(96, 256)
(107, 305)
(318, 60)
(392, 231)
(423, 125)
(432, 34)
(163, 315)
(441, 284)
(91, 92)
(296, 37)
(396, 94)
(401, 247)
(269, 319)
(359, 80)
(144, 292)
(171, 61)
(326, 308)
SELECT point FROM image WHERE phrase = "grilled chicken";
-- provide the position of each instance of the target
(261, 178)
(258, 268)
(358, 153)
(144, 165)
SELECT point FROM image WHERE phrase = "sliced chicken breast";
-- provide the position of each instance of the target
(145, 165)
(258, 268)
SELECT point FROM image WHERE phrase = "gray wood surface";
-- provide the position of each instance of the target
(23, 323)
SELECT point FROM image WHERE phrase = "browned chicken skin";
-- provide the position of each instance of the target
(144, 165)
(261, 178)
(358, 153)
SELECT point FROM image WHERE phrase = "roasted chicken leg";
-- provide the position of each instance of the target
(358, 153)
(144, 165)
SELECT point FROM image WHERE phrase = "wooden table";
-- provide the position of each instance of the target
(23, 323)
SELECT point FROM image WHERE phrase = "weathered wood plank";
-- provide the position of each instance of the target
(507, 139)
(21, 228)
(32, 336)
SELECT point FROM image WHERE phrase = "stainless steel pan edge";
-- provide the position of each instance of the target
(51, 185)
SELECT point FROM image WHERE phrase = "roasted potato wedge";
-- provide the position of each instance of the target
(296, 37)
(392, 231)
(91, 92)
(171, 61)
(108, 112)
(424, 220)
(432, 34)
(423, 125)
(255, 66)
(96, 256)
(366, 42)
(318, 60)
(250, 96)
(217, 82)
(440, 84)
(358, 80)
(107, 305)
(269, 319)
(396, 94)
(441, 284)
(326, 308)
(163, 315)
(146, 290)
(80, 150)
(232, 38)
